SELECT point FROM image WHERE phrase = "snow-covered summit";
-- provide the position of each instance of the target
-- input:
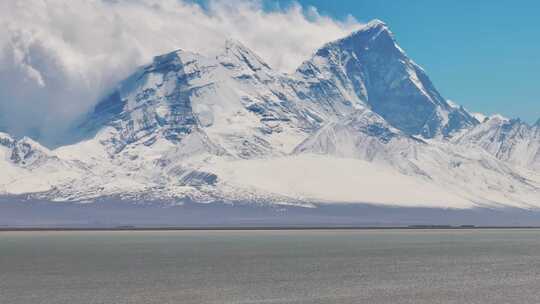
(236, 53)
(234, 102)
(480, 117)
(6, 140)
(369, 68)
(375, 32)
(24, 152)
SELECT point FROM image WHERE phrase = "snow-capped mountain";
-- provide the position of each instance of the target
(369, 68)
(28, 167)
(359, 122)
(233, 103)
(510, 140)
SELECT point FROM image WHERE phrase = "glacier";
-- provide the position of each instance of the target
(358, 123)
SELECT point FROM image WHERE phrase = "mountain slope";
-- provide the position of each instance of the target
(363, 135)
(28, 167)
(466, 173)
(510, 140)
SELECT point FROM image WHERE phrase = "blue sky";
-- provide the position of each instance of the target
(482, 54)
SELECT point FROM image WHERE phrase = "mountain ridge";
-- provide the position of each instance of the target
(356, 115)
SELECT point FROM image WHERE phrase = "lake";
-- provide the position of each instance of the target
(278, 266)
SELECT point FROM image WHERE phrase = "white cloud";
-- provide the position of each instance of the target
(57, 57)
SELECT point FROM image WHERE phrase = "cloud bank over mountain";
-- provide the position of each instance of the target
(57, 58)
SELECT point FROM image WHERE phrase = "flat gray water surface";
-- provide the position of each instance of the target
(313, 266)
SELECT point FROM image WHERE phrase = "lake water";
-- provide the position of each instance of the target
(354, 266)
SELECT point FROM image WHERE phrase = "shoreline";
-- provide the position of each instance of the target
(259, 228)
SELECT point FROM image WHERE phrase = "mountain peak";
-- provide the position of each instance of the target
(6, 139)
(498, 118)
(376, 23)
(174, 60)
(236, 52)
(375, 35)
(374, 29)
(369, 68)
(231, 43)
